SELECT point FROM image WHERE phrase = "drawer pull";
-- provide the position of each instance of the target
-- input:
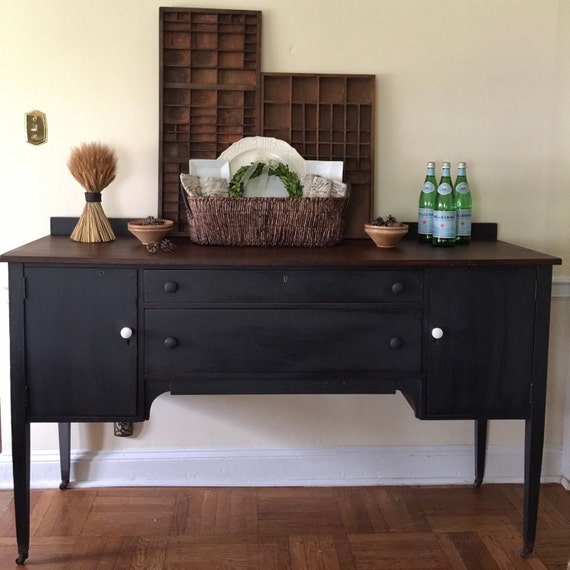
(126, 333)
(396, 342)
(170, 287)
(437, 333)
(398, 288)
(170, 343)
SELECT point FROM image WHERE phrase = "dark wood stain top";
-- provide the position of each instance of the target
(350, 253)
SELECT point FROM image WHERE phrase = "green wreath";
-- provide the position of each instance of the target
(289, 178)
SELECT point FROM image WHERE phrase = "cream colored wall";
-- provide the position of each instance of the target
(486, 82)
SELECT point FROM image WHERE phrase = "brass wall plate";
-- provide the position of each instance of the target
(36, 127)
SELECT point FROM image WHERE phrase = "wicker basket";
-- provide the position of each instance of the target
(306, 222)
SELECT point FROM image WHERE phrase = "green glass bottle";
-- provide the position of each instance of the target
(426, 205)
(444, 214)
(463, 205)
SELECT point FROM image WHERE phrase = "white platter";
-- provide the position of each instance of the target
(215, 168)
(263, 149)
(252, 149)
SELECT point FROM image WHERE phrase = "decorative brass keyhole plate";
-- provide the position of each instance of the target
(36, 127)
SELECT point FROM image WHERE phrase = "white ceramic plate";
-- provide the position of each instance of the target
(215, 168)
(264, 149)
(251, 149)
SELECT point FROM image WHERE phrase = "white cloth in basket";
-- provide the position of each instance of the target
(315, 186)
(204, 186)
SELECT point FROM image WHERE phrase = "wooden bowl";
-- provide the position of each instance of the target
(147, 233)
(386, 236)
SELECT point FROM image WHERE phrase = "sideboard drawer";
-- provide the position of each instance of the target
(282, 286)
(183, 342)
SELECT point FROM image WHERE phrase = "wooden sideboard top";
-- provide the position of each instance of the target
(349, 253)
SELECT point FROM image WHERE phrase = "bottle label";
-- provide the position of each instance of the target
(444, 188)
(462, 188)
(425, 218)
(428, 187)
(444, 224)
(463, 222)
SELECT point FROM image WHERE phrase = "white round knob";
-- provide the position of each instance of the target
(437, 333)
(126, 333)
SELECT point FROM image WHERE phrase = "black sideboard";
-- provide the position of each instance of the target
(98, 331)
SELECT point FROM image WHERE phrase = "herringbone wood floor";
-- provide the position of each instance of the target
(346, 528)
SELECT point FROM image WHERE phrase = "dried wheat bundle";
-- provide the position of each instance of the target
(94, 166)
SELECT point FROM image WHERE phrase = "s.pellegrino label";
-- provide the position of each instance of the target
(463, 205)
(444, 214)
(444, 225)
(426, 205)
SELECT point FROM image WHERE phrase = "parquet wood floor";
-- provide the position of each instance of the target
(341, 528)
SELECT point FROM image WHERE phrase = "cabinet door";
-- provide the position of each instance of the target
(77, 364)
(482, 366)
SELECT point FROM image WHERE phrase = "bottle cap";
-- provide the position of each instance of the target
(446, 164)
(431, 164)
(461, 164)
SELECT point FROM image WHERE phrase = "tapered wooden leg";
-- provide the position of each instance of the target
(21, 471)
(480, 450)
(65, 453)
(20, 424)
(534, 423)
(534, 442)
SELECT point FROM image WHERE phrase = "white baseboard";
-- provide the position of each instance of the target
(560, 288)
(331, 466)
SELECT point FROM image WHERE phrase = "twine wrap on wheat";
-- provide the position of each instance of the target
(94, 166)
(306, 222)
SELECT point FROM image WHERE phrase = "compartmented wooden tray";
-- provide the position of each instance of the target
(327, 117)
(209, 90)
